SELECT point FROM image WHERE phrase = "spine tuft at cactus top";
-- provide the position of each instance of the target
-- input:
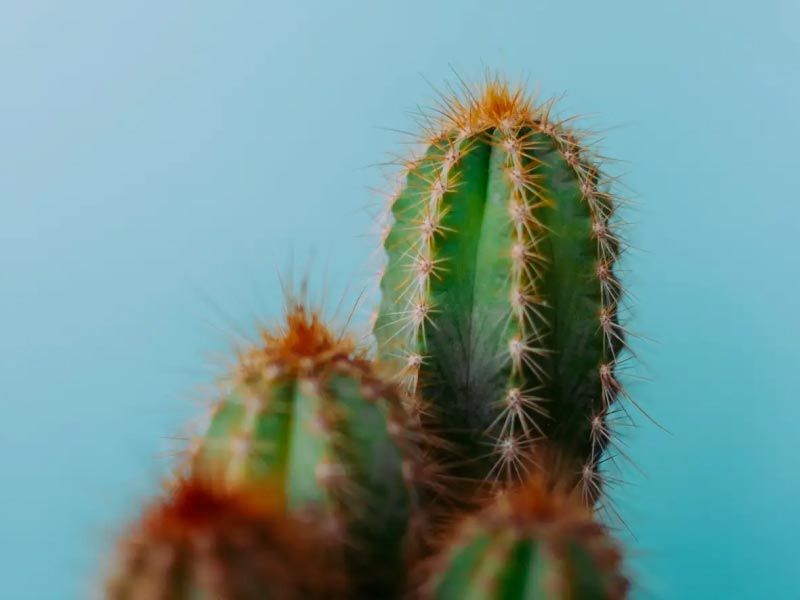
(537, 542)
(500, 299)
(309, 417)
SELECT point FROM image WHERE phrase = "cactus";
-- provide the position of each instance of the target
(536, 542)
(311, 418)
(499, 301)
(202, 541)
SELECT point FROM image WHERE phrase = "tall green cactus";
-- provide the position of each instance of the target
(535, 543)
(202, 541)
(499, 300)
(312, 419)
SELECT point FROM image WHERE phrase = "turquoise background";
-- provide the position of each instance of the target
(160, 162)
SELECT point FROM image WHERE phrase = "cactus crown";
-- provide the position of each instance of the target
(497, 105)
(500, 300)
(303, 345)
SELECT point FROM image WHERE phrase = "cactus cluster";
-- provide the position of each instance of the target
(461, 458)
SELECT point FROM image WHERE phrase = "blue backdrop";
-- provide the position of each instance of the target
(161, 161)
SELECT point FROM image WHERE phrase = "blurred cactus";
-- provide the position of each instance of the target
(499, 301)
(201, 541)
(534, 543)
(310, 418)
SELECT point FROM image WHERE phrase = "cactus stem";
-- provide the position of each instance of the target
(506, 213)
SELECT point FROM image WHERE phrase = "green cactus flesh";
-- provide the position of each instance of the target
(309, 418)
(499, 300)
(536, 545)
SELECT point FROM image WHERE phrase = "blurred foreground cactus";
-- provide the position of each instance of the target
(535, 542)
(202, 541)
(462, 462)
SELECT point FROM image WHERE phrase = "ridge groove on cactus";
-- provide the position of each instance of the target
(310, 417)
(500, 301)
(204, 541)
(537, 541)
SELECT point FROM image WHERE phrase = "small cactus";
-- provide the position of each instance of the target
(499, 300)
(202, 541)
(536, 542)
(311, 418)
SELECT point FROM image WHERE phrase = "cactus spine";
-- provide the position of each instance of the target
(310, 418)
(499, 300)
(202, 541)
(536, 542)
